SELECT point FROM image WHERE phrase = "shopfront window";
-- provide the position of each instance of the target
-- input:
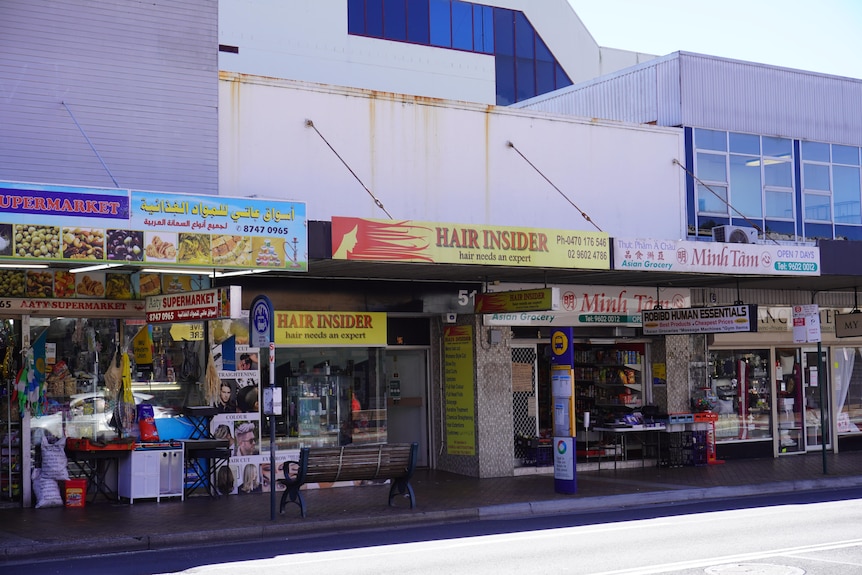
(81, 362)
(332, 397)
(739, 390)
(847, 379)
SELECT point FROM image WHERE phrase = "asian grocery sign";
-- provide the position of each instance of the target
(414, 241)
(594, 305)
(330, 329)
(713, 257)
(149, 228)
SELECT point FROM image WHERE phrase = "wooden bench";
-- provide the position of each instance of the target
(393, 461)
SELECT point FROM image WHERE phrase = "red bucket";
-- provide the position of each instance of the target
(75, 492)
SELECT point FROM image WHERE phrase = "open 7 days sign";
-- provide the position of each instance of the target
(719, 319)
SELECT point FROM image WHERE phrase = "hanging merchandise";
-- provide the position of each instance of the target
(28, 391)
(212, 381)
(190, 369)
(123, 420)
(128, 399)
(113, 375)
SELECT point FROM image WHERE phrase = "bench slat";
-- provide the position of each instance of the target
(392, 461)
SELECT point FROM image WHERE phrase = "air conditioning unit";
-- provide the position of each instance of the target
(734, 234)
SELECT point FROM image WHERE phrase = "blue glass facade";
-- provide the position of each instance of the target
(788, 188)
(524, 65)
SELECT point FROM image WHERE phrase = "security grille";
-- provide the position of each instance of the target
(524, 403)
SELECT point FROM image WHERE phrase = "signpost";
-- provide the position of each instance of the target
(263, 336)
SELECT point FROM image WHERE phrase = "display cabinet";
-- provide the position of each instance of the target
(318, 407)
(151, 472)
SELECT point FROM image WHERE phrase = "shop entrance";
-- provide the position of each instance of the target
(407, 398)
(812, 379)
(798, 381)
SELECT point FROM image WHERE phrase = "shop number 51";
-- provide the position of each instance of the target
(466, 296)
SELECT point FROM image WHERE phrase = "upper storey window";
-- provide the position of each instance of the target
(525, 67)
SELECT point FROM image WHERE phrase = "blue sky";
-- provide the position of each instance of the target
(819, 35)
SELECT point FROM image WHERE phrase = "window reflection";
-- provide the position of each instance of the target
(740, 392)
(524, 66)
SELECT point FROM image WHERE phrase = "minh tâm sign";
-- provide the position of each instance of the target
(718, 319)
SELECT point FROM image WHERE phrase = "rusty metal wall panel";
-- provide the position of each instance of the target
(141, 79)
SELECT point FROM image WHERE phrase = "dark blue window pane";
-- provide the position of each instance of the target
(505, 80)
(462, 25)
(504, 32)
(417, 21)
(441, 23)
(374, 18)
(478, 33)
(544, 77)
(542, 52)
(394, 19)
(561, 77)
(848, 232)
(525, 76)
(356, 16)
(524, 36)
(488, 27)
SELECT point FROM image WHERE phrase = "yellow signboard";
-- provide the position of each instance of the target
(545, 299)
(413, 241)
(191, 331)
(142, 346)
(330, 328)
(459, 392)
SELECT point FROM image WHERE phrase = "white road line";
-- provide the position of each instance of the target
(706, 562)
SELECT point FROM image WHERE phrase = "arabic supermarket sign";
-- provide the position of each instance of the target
(66, 224)
(195, 306)
(221, 231)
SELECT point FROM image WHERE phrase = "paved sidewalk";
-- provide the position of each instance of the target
(103, 526)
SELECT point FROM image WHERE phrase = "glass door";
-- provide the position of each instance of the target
(815, 380)
(790, 408)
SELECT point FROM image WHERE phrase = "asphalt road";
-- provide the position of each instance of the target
(795, 534)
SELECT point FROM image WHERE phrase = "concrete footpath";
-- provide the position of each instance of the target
(104, 526)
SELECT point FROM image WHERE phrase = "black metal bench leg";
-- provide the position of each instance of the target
(402, 487)
(293, 495)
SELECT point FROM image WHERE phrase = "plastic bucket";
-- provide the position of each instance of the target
(75, 492)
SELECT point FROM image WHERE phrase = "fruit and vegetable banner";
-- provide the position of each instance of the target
(220, 231)
(47, 223)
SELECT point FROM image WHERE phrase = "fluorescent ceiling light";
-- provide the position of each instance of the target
(236, 273)
(200, 272)
(24, 266)
(768, 161)
(94, 268)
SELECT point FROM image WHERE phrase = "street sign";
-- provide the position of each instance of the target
(261, 320)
